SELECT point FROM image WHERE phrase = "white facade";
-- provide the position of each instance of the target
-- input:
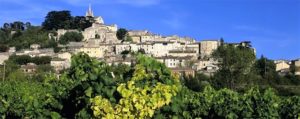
(60, 64)
(281, 65)
(3, 57)
(102, 32)
(297, 65)
(122, 47)
(65, 55)
(174, 62)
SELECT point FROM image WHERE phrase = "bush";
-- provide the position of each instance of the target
(70, 37)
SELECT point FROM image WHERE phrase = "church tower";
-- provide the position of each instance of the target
(89, 13)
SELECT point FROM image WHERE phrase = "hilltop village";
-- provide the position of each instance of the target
(183, 55)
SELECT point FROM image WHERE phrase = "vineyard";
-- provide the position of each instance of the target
(94, 89)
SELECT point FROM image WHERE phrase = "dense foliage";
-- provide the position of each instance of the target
(23, 39)
(64, 20)
(151, 87)
(93, 89)
(17, 25)
(239, 70)
(226, 103)
(70, 37)
(24, 59)
(235, 64)
(27, 99)
(122, 33)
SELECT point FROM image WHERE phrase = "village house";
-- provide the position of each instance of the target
(281, 65)
(64, 55)
(60, 64)
(297, 67)
(29, 68)
(207, 47)
(175, 62)
(207, 67)
(3, 56)
(182, 53)
(186, 72)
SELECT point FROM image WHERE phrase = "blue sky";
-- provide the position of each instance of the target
(273, 26)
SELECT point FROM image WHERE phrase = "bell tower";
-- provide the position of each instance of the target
(89, 13)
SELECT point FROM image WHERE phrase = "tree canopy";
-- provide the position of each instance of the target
(122, 33)
(64, 20)
(70, 37)
(235, 64)
(148, 89)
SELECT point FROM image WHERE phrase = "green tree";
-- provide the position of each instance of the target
(3, 48)
(27, 25)
(290, 107)
(89, 78)
(16, 75)
(17, 25)
(235, 64)
(57, 20)
(196, 83)
(69, 37)
(80, 22)
(266, 68)
(122, 33)
(24, 59)
(32, 35)
(151, 87)
(64, 20)
(260, 105)
(27, 99)
(4, 36)
(6, 26)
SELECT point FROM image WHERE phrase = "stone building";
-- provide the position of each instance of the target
(60, 64)
(3, 56)
(120, 47)
(184, 71)
(182, 53)
(207, 47)
(207, 67)
(102, 32)
(281, 65)
(139, 36)
(64, 55)
(297, 66)
(175, 62)
(29, 68)
(89, 15)
(92, 51)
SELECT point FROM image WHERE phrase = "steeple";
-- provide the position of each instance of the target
(89, 13)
